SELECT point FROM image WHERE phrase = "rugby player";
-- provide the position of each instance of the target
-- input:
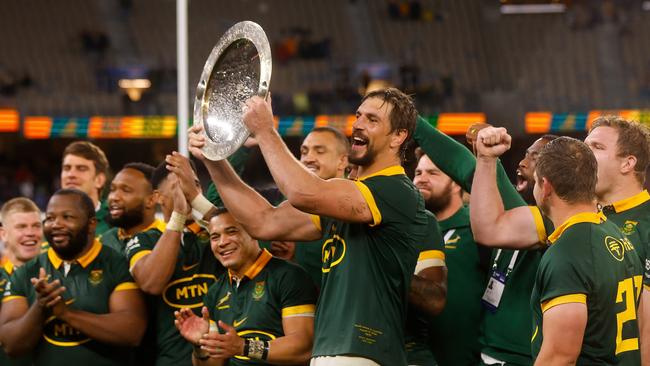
(76, 303)
(371, 226)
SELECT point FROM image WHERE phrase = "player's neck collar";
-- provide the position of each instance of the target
(84, 260)
(391, 170)
(592, 217)
(631, 202)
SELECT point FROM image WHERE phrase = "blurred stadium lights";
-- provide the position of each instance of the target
(134, 87)
(532, 8)
(646, 5)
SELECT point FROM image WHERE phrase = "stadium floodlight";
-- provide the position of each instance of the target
(134, 87)
(532, 8)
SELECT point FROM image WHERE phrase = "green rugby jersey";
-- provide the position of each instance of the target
(367, 270)
(416, 334)
(632, 216)
(6, 271)
(590, 261)
(195, 271)
(308, 256)
(270, 290)
(504, 333)
(89, 284)
(455, 331)
(117, 239)
(102, 218)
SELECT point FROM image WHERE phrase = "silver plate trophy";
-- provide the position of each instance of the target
(238, 68)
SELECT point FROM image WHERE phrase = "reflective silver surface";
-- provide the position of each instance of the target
(238, 67)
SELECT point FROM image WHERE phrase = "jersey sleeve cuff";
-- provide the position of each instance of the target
(299, 310)
(126, 286)
(139, 255)
(316, 220)
(564, 299)
(539, 223)
(12, 297)
(370, 200)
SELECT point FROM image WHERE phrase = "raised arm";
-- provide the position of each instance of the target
(260, 219)
(458, 163)
(492, 225)
(341, 199)
(154, 271)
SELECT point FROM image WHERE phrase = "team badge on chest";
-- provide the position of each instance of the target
(95, 277)
(258, 291)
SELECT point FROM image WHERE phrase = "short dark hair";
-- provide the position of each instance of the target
(343, 141)
(549, 137)
(86, 202)
(160, 173)
(403, 116)
(633, 139)
(144, 168)
(571, 168)
(89, 151)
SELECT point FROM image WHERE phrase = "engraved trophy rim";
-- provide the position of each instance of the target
(245, 30)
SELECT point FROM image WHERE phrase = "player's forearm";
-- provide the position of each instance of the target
(243, 202)
(153, 271)
(298, 185)
(491, 224)
(293, 349)
(448, 154)
(428, 296)
(458, 163)
(123, 328)
(485, 202)
(20, 336)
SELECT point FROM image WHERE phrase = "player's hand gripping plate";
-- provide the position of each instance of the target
(238, 68)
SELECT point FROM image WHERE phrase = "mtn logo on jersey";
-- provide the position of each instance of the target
(618, 247)
(188, 292)
(333, 252)
(59, 333)
(629, 227)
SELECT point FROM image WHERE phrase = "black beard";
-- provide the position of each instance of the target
(437, 204)
(364, 160)
(130, 218)
(75, 246)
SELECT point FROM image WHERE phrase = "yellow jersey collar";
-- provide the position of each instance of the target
(84, 260)
(631, 202)
(156, 224)
(256, 267)
(592, 217)
(391, 170)
(8, 266)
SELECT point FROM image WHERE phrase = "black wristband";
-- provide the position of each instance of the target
(246, 347)
(265, 353)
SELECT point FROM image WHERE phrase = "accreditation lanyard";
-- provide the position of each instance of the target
(497, 282)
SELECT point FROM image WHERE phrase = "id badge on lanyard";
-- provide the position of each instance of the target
(497, 283)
